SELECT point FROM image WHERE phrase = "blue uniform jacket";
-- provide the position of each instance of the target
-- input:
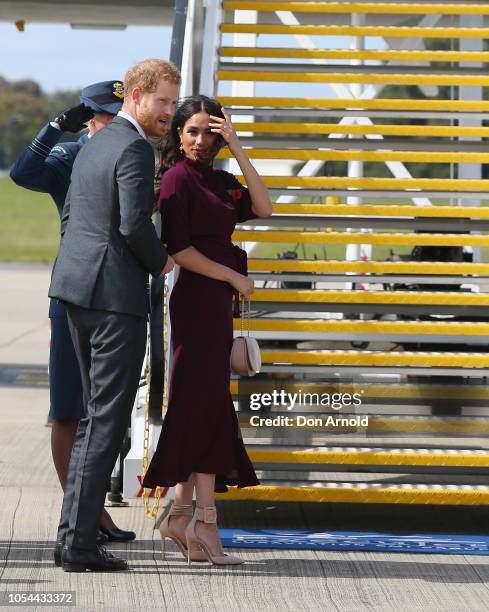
(45, 166)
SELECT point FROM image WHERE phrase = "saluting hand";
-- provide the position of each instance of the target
(74, 119)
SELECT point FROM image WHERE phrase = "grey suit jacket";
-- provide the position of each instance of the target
(109, 244)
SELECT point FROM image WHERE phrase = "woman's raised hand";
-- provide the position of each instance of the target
(224, 128)
(243, 284)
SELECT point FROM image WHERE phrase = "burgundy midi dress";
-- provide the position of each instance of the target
(200, 207)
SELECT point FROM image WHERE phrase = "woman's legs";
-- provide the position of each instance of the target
(209, 532)
(184, 492)
(62, 439)
(204, 489)
(204, 486)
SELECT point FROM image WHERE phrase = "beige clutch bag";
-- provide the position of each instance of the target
(245, 352)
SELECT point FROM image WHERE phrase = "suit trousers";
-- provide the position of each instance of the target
(110, 349)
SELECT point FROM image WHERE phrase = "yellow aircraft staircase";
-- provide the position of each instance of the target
(339, 320)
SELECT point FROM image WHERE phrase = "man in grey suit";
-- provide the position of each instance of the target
(108, 247)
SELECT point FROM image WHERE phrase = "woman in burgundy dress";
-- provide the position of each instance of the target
(200, 445)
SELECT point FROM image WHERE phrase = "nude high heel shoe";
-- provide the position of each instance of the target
(206, 515)
(166, 531)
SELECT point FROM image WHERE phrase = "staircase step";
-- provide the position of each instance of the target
(360, 282)
(391, 210)
(388, 425)
(340, 143)
(260, 454)
(378, 224)
(466, 495)
(357, 72)
(344, 326)
(373, 392)
(391, 238)
(385, 333)
(315, 114)
(432, 157)
(348, 54)
(329, 296)
(403, 192)
(315, 266)
(355, 435)
(342, 103)
(397, 225)
(338, 30)
(440, 131)
(376, 358)
(394, 8)
(387, 476)
(240, 72)
(415, 184)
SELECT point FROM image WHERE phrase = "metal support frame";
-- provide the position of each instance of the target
(244, 88)
(469, 171)
(355, 252)
(213, 18)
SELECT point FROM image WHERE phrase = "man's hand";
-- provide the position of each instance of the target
(74, 119)
(170, 264)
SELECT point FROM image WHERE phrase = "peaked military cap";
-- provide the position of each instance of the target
(104, 97)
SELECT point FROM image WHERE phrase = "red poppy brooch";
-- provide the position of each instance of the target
(236, 194)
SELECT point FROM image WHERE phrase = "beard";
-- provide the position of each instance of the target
(149, 123)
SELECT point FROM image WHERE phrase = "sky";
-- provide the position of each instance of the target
(58, 57)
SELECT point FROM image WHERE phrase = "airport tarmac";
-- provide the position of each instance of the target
(30, 499)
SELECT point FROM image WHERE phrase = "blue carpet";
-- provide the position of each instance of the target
(356, 540)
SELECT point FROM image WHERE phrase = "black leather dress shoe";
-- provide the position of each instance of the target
(118, 535)
(101, 537)
(58, 547)
(97, 560)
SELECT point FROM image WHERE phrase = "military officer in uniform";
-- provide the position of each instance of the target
(46, 166)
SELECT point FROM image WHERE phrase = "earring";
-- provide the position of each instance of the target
(181, 149)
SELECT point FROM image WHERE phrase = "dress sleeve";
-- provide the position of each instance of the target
(241, 198)
(175, 212)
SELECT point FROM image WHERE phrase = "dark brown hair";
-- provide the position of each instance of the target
(170, 146)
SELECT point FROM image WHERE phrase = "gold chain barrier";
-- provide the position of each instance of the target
(152, 512)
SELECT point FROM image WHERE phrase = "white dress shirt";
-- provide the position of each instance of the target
(131, 119)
